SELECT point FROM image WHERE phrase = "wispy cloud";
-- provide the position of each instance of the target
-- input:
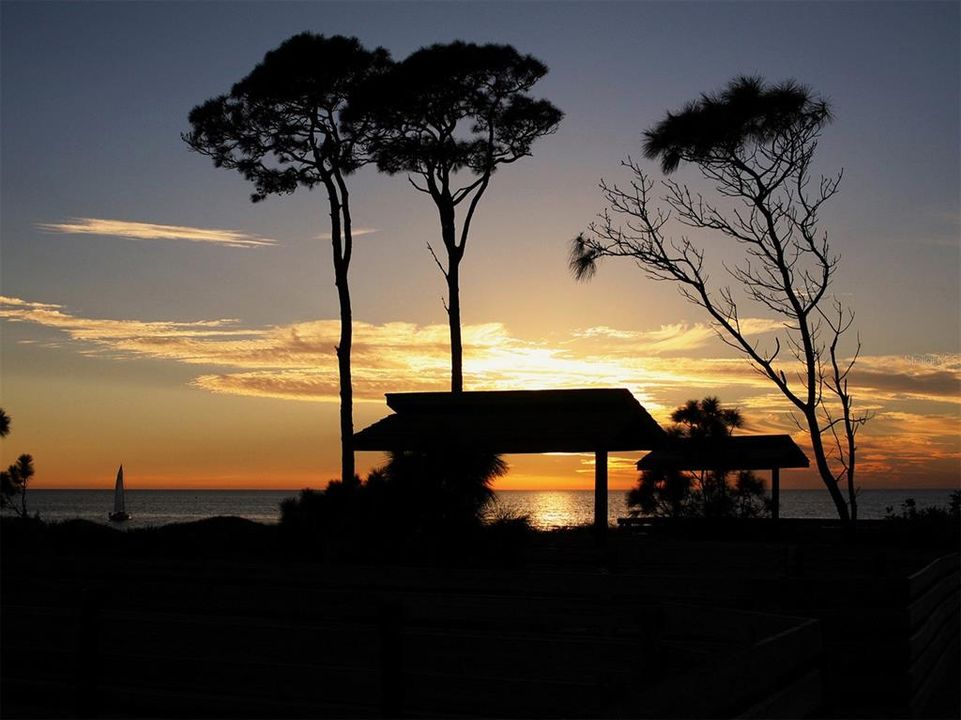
(355, 232)
(111, 332)
(401, 354)
(667, 338)
(905, 377)
(914, 398)
(152, 231)
(672, 338)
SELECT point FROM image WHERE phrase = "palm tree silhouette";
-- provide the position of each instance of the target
(672, 492)
(442, 488)
(705, 419)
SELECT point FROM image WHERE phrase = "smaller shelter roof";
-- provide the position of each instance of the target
(514, 421)
(746, 452)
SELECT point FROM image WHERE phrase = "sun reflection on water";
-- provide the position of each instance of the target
(554, 509)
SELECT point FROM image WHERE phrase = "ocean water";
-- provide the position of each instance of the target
(546, 508)
(576, 507)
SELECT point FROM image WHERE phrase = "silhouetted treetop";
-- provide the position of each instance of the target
(756, 143)
(720, 125)
(280, 126)
(310, 68)
(452, 106)
(703, 419)
(13, 482)
(445, 109)
(666, 488)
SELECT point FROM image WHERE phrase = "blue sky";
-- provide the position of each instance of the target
(95, 95)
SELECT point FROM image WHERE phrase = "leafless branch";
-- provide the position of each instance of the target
(434, 255)
(787, 268)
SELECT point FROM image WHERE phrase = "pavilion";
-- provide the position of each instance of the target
(747, 452)
(519, 421)
(574, 421)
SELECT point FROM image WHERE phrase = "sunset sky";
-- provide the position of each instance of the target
(152, 315)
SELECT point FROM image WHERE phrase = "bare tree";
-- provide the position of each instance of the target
(755, 143)
(281, 128)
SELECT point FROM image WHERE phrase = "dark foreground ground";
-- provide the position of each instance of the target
(227, 618)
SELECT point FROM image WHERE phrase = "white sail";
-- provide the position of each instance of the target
(118, 504)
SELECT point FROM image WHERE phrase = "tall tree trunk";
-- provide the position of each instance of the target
(346, 389)
(820, 459)
(448, 230)
(339, 235)
(453, 314)
(852, 490)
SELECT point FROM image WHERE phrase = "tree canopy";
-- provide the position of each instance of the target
(449, 108)
(755, 143)
(704, 419)
(453, 106)
(723, 125)
(666, 491)
(280, 126)
(14, 480)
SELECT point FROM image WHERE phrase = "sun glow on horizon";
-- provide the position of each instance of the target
(296, 362)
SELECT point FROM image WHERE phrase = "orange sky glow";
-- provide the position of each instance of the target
(152, 315)
(204, 432)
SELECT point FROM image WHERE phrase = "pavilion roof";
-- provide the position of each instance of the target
(514, 421)
(745, 452)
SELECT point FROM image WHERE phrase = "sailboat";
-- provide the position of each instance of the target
(119, 514)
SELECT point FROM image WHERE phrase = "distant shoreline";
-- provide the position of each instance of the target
(546, 509)
(109, 488)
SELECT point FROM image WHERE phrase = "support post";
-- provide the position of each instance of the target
(775, 493)
(600, 490)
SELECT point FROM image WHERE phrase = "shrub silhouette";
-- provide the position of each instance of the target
(416, 504)
(15, 479)
(713, 493)
(913, 525)
(438, 490)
